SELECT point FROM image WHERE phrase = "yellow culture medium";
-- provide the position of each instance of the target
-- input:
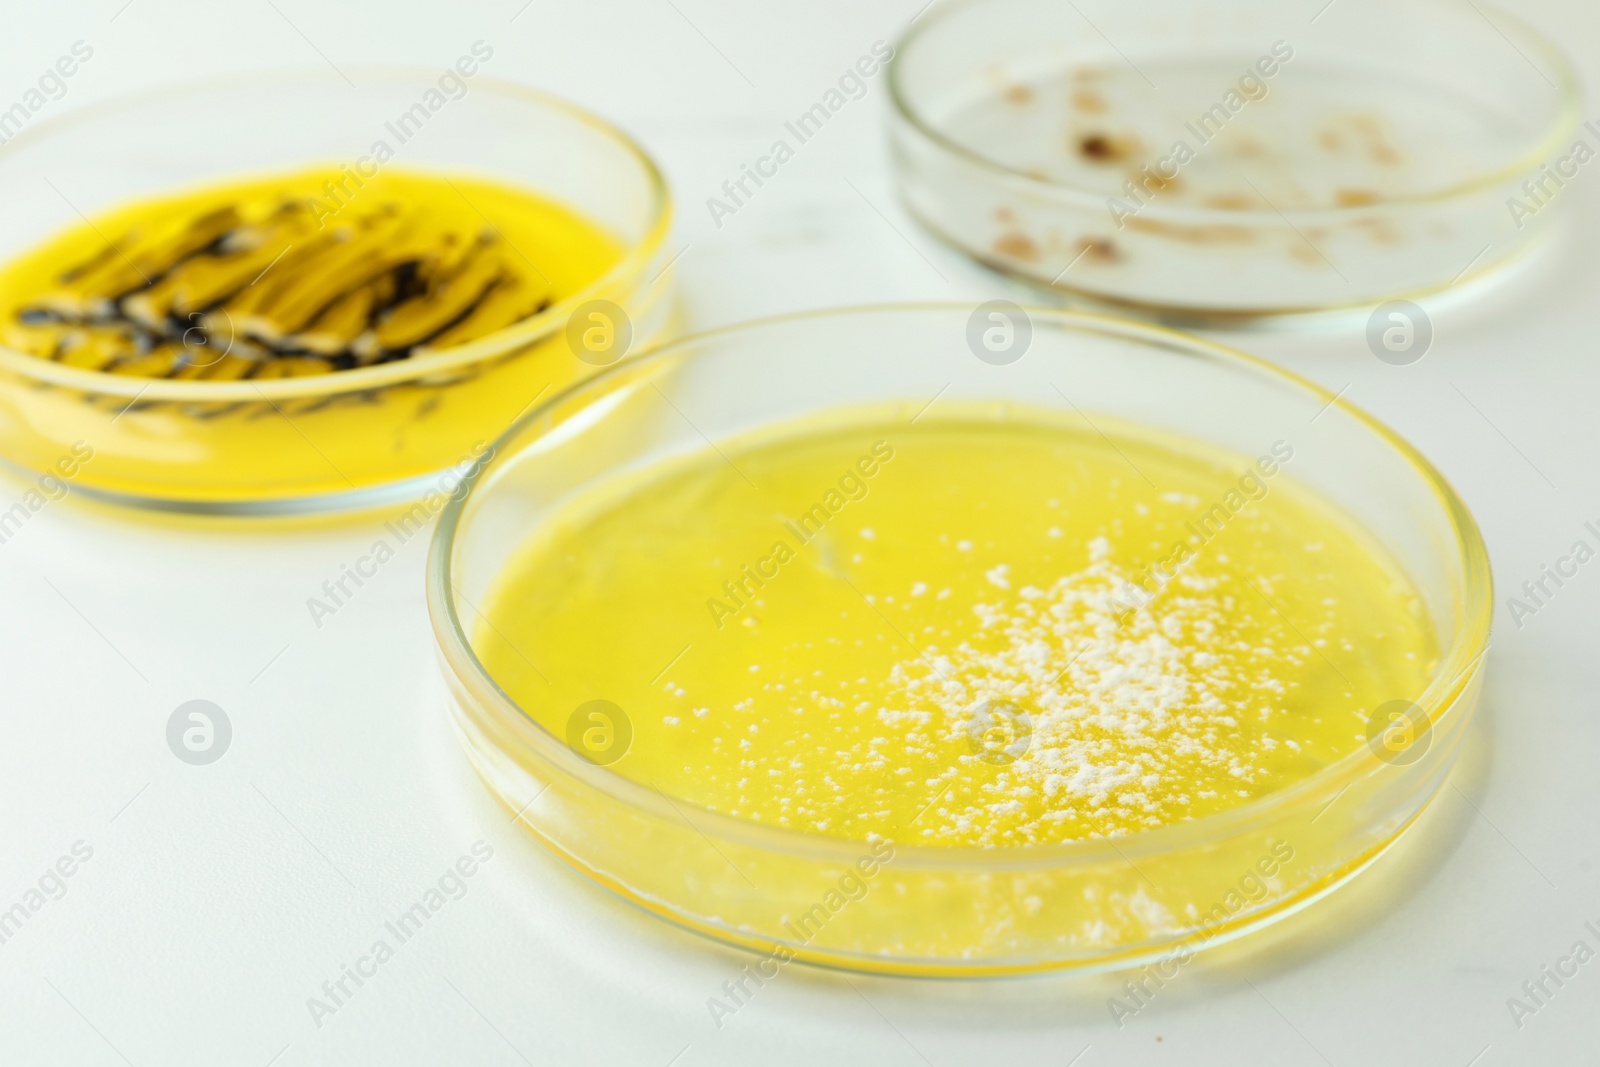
(976, 629)
(301, 275)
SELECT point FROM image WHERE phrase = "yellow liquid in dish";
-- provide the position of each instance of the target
(303, 274)
(963, 631)
(276, 277)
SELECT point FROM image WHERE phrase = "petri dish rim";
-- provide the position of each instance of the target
(1569, 115)
(636, 257)
(1466, 647)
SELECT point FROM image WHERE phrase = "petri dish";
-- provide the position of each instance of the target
(575, 720)
(572, 206)
(1235, 159)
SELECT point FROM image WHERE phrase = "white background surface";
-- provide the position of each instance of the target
(218, 899)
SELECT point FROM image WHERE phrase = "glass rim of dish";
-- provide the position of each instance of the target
(530, 330)
(1570, 114)
(1462, 650)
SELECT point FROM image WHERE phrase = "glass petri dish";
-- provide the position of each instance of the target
(952, 910)
(350, 438)
(1233, 159)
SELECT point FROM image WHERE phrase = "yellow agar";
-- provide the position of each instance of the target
(296, 275)
(268, 301)
(968, 630)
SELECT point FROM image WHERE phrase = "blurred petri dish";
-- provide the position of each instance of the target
(285, 417)
(1233, 159)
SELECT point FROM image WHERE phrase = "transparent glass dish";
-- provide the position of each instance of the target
(354, 437)
(1232, 159)
(952, 910)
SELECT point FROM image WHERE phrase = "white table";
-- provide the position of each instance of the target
(217, 899)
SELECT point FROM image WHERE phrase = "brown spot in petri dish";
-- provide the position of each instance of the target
(1355, 197)
(1369, 132)
(1038, 174)
(1017, 245)
(1385, 153)
(1095, 146)
(1004, 214)
(1020, 95)
(1379, 231)
(1153, 181)
(1089, 102)
(1230, 202)
(1106, 148)
(1098, 250)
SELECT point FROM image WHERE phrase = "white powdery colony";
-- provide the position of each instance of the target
(1125, 704)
